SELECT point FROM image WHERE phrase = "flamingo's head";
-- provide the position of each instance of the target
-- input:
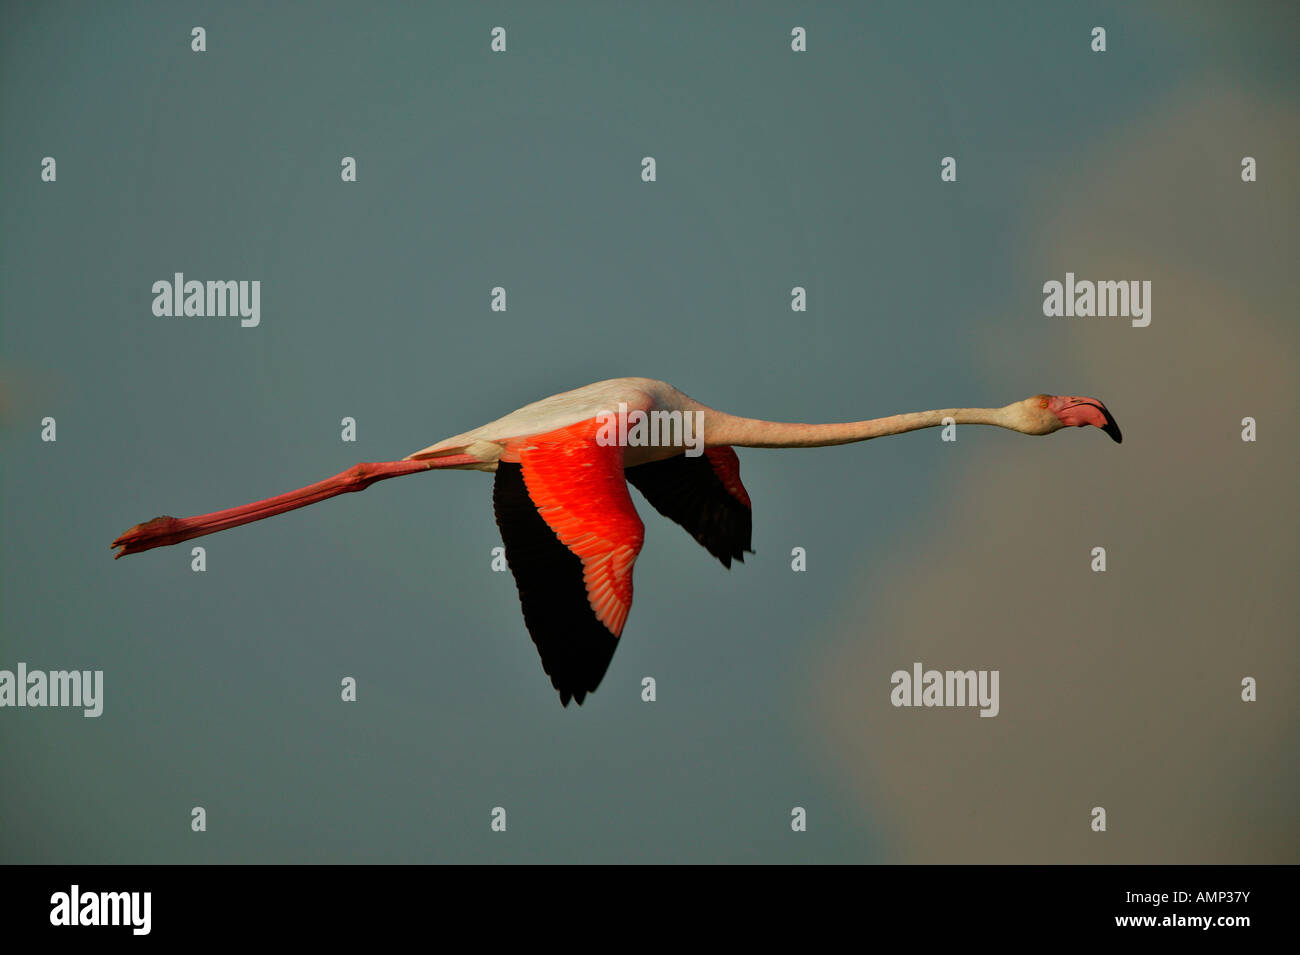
(1043, 414)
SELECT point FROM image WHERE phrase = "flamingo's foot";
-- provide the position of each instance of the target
(158, 532)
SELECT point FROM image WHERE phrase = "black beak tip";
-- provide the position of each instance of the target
(1112, 429)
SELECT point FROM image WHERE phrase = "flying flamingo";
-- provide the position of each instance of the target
(571, 533)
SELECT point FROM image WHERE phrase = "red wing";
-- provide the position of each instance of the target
(726, 465)
(572, 537)
(704, 495)
(579, 489)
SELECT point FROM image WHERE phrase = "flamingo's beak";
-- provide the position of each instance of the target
(1077, 412)
(1111, 427)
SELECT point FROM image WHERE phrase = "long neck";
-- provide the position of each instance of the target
(725, 429)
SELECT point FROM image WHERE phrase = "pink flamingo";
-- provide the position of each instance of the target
(571, 533)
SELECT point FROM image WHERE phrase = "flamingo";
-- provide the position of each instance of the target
(561, 497)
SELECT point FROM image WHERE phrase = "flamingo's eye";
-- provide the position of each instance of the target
(1042, 403)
